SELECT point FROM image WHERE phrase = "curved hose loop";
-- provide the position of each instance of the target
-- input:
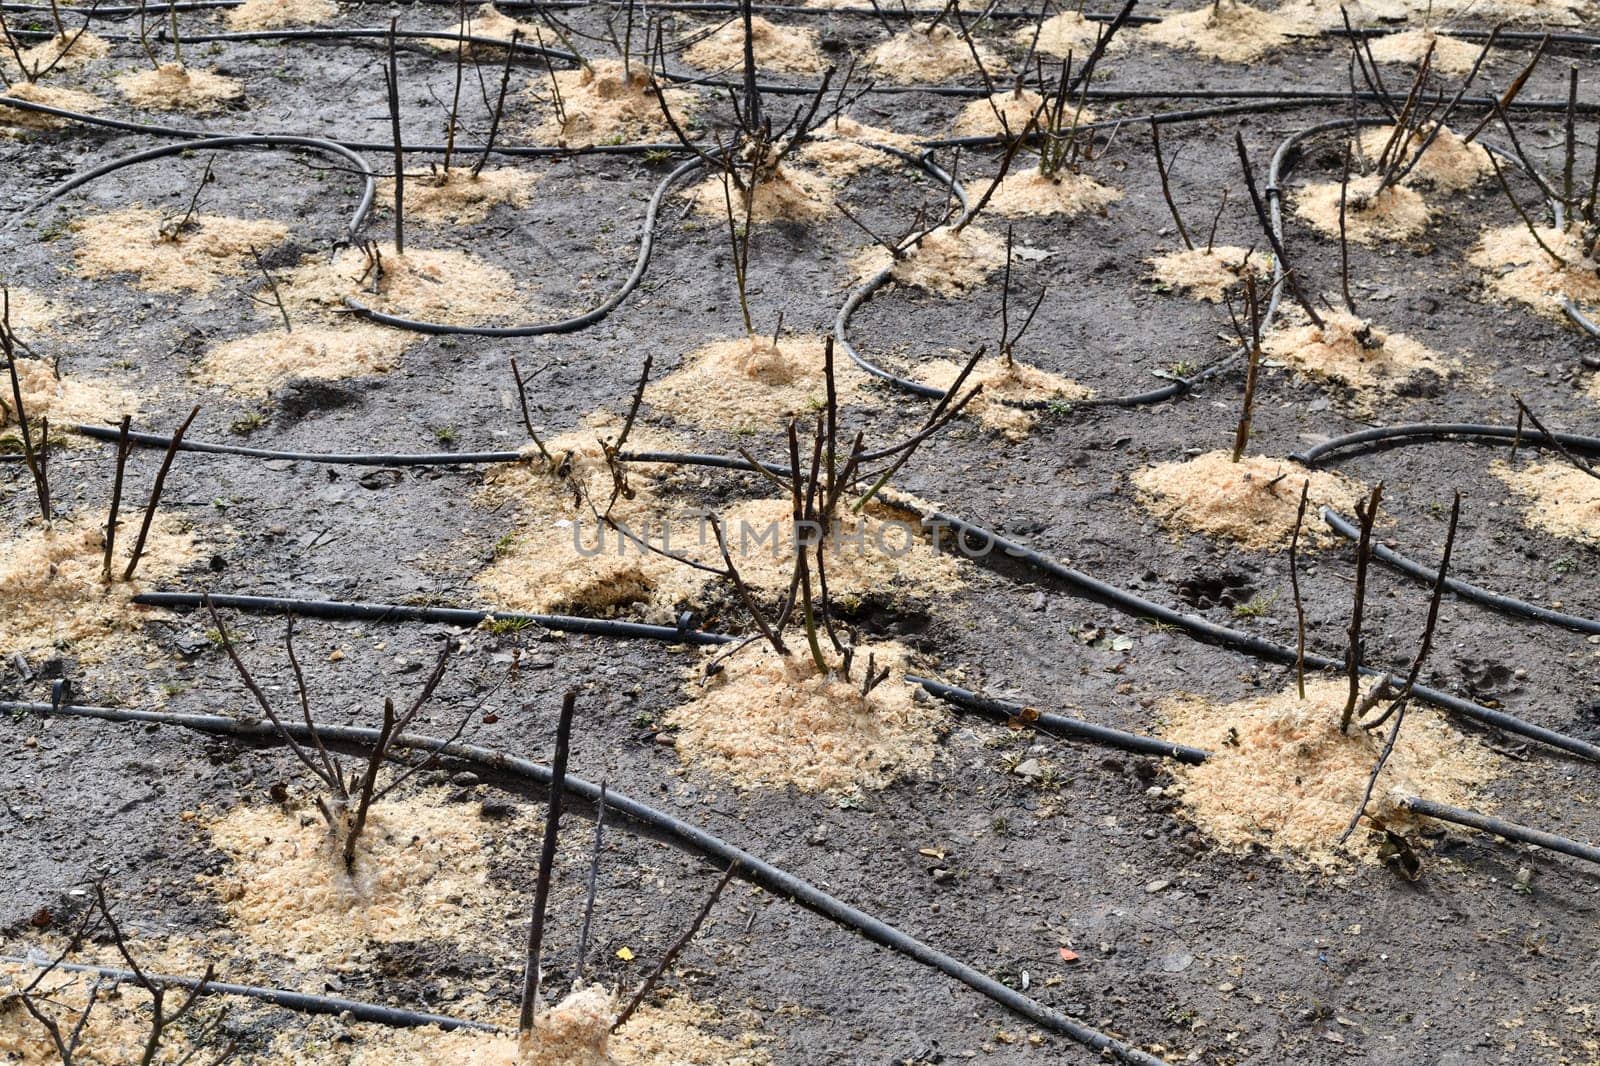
(647, 238)
(1408, 432)
(359, 219)
(303, 1002)
(690, 837)
(1493, 600)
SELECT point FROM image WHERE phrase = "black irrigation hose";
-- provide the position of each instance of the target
(156, 440)
(1501, 828)
(691, 837)
(647, 239)
(303, 1002)
(1493, 600)
(369, 187)
(1407, 432)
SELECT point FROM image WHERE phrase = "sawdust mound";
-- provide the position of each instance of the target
(1450, 163)
(486, 21)
(431, 285)
(1204, 275)
(256, 365)
(274, 14)
(1281, 775)
(173, 87)
(981, 117)
(844, 147)
(1397, 214)
(49, 96)
(1252, 502)
(944, 261)
(421, 872)
(1068, 32)
(606, 104)
(790, 195)
(50, 585)
(1518, 269)
(790, 49)
(749, 383)
(74, 50)
(130, 241)
(1450, 55)
(457, 195)
(66, 401)
(1308, 16)
(1004, 380)
(575, 1032)
(1353, 352)
(1032, 192)
(1552, 12)
(767, 720)
(31, 313)
(1561, 499)
(1232, 32)
(917, 55)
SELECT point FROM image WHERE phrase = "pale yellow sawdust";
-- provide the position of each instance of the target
(944, 261)
(79, 48)
(1205, 275)
(540, 488)
(1560, 499)
(1551, 12)
(173, 87)
(1032, 192)
(1450, 55)
(790, 195)
(1282, 777)
(767, 721)
(432, 285)
(274, 14)
(750, 383)
(1396, 214)
(843, 147)
(1068, 33)
(1353, 352)
(257, 364)
(486, 21)
(49, 96)
(604, 104)
(457, 195)
(1002, 380)
(117, 1028)
(1518, 269)
(790, 49)
(981, 118)
(1252, 502)
(573, 1033)
(1308, 16)
(130, 241)
(30, 312)
(66, 401)
(1450, 163)
(421, 873)
(916, 55)
(54, 598)
(1232, 32)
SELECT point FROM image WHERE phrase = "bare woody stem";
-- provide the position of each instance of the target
(391, 77)
(1265, 219)
(155, 494)
(1294, 586)
(499, 106)
(594, 880)
(547, 860)
(8, 347)
(124, 447)
(1241, 434)
(1367, 514)
(1166, 187)
(673, 952)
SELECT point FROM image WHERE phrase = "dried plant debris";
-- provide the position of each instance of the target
(922, 55)
(790, 49)
(452, 287)
(1033, 192)
(767, 720)
(603, 102)
(50, 582)
(1282, 777)
(48, 96)
(1228, 30)
(421, 872)
(167, 255)
(1518, 269)
(1558, 498)
(1398, 213)
(790, 195)
(1067, 33)
(1449, 163)
(174, 87)
(1350, 351)
(1208, 274)
(749, 383)
(276, 14)
(1252, 502)
(1006, 380)
(945, 261)
(459, 195)
(257, 365)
